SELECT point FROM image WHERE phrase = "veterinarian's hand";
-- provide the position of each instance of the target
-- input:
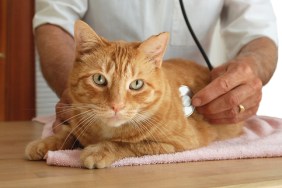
(233, 84)
(62, 111)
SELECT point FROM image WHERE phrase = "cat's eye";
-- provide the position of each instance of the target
(99, 79)
(136, 84)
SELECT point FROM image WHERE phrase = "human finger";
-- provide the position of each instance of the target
(234, 119)
(216, 88)
(235, 75)
(235, 111)
(218, 71)
(249, 94)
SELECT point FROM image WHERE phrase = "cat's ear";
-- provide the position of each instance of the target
(85, 38)
(154, 48)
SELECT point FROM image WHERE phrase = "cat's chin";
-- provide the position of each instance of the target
(114, 122)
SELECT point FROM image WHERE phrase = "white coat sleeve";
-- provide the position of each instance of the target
(62, 13)
(245, 20)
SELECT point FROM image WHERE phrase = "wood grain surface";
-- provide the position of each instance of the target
(15, 171)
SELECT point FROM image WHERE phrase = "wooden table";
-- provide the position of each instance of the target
(15, 171)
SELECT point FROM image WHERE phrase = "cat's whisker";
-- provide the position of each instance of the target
(76, 107)
(152, 121)
(177, 133)
(82, 105)
(162, 130)
(90, 120)
(72, 131)
(142, 130)
(139, 118)
(155, 139)
(83, 122)
(149, 120)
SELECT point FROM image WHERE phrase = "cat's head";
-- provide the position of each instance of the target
(116, 82)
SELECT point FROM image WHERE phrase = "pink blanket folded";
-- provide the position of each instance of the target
(262, 138)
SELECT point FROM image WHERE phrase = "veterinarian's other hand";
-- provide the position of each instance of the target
(62, 111)
(233, 84)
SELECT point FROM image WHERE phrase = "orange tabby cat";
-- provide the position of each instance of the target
(126, 102)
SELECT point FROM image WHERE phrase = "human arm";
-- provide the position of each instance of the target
(239, 81)
(249, 31)
(53, 25)
(56, 50)
(53, 29)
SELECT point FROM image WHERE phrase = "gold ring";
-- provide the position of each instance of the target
(241, 108)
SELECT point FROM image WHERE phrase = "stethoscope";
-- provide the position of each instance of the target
(195, 37)
(185, 92)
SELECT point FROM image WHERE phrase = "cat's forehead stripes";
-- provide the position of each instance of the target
(122, 60)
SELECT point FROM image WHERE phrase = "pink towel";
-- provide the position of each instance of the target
(262, 138)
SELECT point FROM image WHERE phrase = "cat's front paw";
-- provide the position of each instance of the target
(100, 155)
(36, 150)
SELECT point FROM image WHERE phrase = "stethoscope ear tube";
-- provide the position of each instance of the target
(195, 37)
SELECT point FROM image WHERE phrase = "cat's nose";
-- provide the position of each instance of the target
(117, 106)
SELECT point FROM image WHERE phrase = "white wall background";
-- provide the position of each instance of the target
(272, 93)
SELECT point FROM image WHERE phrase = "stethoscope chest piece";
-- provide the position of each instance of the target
(186, 97)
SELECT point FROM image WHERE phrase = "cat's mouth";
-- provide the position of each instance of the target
(115, 120)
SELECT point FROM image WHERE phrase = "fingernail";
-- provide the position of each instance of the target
(196, 102)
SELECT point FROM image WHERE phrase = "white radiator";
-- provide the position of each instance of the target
(45, 97)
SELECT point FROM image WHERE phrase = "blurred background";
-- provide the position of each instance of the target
(24, 93)
(17, 70)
